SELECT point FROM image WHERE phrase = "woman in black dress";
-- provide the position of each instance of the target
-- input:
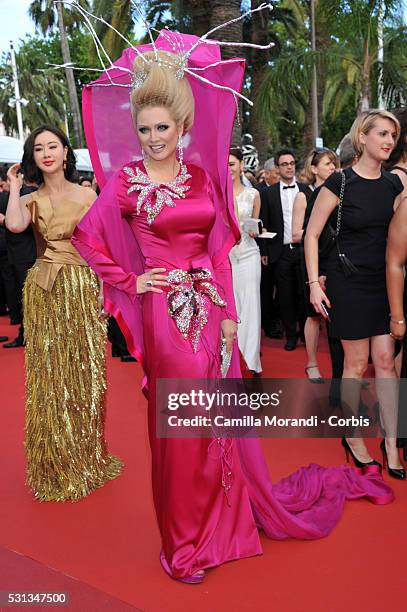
(356, 294)
(319, 164)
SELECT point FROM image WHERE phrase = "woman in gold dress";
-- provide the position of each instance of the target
(66, 452)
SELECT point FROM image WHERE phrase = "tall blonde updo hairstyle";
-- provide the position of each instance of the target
(161, 87)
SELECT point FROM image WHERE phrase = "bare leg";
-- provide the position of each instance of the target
(355, 364)
(387, 389)
(311, 333)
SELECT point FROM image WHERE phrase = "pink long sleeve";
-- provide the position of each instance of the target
(102, 240)
(109, 271)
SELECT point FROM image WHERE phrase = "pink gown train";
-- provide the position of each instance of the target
(201, 526)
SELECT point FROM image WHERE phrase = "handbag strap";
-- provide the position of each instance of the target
(400, 168)
(341, 194)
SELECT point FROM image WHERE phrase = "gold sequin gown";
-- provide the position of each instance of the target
(67, 456)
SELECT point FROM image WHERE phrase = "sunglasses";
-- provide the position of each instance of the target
(318, 151)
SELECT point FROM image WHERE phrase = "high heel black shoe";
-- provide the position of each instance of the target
(399, 473)
(317, 379)
(358, 464)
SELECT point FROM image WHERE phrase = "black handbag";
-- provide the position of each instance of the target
(329, 237)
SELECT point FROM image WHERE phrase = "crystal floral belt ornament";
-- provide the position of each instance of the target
(164, 192)
(189, 301)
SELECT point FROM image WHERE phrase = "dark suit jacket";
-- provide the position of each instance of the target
(271, 213)
(21, 248)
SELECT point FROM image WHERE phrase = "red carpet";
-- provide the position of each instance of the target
(110, 540)
(20, 574)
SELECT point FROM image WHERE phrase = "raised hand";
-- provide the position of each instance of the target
(14, 177)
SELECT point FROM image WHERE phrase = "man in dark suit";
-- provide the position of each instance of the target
(22, 253)
(270, 314)
(276, 214)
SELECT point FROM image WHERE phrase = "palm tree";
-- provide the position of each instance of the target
(222, 11)
(181, 15)
(347, 64)
(44, 92)
(355, 58)
(199, 12)
(259, 31)
(119, 14)
(47, 15)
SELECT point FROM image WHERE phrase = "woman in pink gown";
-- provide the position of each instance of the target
(156, 230)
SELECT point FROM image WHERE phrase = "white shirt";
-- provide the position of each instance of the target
(287, 201)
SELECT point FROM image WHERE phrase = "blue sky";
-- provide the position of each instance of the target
(14, 21)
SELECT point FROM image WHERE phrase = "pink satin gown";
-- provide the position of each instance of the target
(203, 525)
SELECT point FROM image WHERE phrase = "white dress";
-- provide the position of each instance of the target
(246, 269)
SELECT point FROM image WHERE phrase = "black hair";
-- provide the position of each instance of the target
(30, 169)
(282, 152)
(84, 178)
(236, 152)
(400, 150)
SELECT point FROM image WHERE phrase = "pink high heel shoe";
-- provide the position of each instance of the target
(196, 578)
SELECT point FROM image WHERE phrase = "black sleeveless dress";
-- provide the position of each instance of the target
(360, 307)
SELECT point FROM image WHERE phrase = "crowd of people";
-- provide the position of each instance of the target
(182, 266)
(324, 266)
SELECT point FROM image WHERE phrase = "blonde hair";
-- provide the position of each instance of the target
(162, 87)
(314, 158)
(364, 123)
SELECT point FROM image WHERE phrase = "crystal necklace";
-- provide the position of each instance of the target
(164, 193)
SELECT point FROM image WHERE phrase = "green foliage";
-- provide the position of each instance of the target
(347, 66)
(44, 87)
(45, 92)
(119, 14)
(172, 14)
(44, 15)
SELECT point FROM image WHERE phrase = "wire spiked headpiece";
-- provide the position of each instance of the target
(176, 43)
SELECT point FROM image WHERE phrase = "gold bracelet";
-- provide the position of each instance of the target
(311, 282)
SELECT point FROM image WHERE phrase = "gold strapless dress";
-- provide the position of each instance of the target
(67, 456)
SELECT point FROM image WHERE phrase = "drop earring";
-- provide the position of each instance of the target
(180, 147)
